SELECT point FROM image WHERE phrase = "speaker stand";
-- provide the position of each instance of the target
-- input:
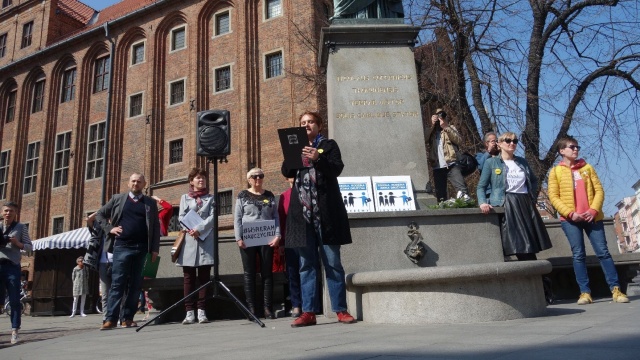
(215, 280)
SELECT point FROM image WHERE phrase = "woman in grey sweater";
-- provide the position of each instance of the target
(256, 204)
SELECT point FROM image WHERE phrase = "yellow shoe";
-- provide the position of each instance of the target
(585, 298)
(619, 296)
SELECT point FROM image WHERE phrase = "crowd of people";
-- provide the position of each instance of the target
(311, 223)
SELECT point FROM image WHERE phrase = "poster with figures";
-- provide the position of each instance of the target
(393, 193)
(357, 194)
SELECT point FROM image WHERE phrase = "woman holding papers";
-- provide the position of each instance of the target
(257, 205)
(197, 211)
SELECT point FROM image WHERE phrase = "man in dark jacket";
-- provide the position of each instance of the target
(317, 223)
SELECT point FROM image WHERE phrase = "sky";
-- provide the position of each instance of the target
(99, 4)
(616, 186)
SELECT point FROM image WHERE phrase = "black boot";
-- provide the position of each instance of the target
(268, 297)
(249, 292)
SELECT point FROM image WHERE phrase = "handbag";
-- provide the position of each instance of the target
(467, 162)
(177, 246)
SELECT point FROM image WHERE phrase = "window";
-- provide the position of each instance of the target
(223, 79)
(6, 3)
(174, 223)
(31, 167)
(11, 105)
(224, 202)
(5, 156)
(222, 23)
(135, 105)
(3, 45)
(69, 85)
(137, 53)
(274, 8)
(38, 96)
(176, 90)
(61, 160)
(101, 75)
(273, 65)
(178, 38)
(175, 151)
(58, 225)
(27, 30)
(95, 150)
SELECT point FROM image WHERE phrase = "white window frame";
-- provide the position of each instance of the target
(265, 11)
(215, 80)
(129, 116)
(171, 37)
(169, 163)
(61, 152)
(144, 52)
(184, 84)
(264, 63)
(215, 22)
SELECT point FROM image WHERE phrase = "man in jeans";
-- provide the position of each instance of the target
(131, 220)
(15, 239)
(443, 140)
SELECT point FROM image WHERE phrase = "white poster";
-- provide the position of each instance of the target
(258, 233)
(356, 194)
(393, 193)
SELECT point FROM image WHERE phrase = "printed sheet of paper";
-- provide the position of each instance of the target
(258, 233)
(393, 193)
(192, 220)
(356, 193)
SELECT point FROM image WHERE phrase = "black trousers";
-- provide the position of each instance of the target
(454, 175)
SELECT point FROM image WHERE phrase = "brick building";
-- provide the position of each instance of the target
(131, 79)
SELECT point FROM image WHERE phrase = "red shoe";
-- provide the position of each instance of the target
(306, 319)
(345, 318)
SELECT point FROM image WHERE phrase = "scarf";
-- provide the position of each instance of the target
(307, 191)
(196, 194)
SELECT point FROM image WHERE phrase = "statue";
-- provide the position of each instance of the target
(367, 9)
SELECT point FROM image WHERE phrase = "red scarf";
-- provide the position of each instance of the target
(196, 194)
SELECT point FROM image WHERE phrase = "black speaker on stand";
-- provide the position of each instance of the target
(213, 140)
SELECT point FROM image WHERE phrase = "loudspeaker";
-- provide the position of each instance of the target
(213, 133)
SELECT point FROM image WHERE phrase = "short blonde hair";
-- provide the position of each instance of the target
(254, 171)
(507, 135)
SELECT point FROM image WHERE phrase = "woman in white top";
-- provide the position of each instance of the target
(513, 186)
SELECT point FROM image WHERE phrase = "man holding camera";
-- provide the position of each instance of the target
(15, 239)
(443, 140)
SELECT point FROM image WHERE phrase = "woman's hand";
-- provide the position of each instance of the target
(575, 217)
(194, 233)
(485, 208)
(275, 241)
(241, 244)
(310, 153)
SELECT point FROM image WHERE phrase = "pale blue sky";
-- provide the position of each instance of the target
(99, 4)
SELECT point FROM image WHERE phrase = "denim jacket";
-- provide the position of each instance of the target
(493, 174)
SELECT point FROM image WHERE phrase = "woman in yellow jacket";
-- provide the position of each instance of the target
(576, 193)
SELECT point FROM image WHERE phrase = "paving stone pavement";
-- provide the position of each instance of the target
(603, 330)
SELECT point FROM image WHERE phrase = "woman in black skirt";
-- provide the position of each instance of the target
(513, 186)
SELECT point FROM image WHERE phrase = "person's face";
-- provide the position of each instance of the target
(571, 151)
(492, 144)
(509, 145)
(137, 183)
(79, 262)
(8, 214)
(256, 180)
(199, 182)
(312, 126)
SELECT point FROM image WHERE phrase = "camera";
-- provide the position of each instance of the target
(4, 241)
(442, 114)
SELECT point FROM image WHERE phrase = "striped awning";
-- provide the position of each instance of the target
(74, 239)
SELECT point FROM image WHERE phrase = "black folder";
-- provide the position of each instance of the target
(293, 140)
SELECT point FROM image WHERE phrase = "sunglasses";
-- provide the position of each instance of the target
(509, 141)
(573, 147)
(259, 176)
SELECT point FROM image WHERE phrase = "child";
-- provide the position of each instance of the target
(576, 193)
(80, 278)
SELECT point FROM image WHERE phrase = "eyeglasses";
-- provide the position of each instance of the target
(573, 147)
(259, 176)
(509, 141)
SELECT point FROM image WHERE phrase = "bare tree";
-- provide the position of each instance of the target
(542, 68)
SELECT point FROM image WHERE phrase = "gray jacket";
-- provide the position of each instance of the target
(109, 217)
(10, 251)
(197, 252)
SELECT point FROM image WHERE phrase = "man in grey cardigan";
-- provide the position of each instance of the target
(131, 221)
(15, 239)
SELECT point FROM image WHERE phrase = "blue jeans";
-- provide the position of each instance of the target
(292, 260)
(595, 232)
(126, 279)
(10, 279)
(309, 271)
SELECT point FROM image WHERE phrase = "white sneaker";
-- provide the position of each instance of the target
(72, 315)
(190, 318)
(14, 337)
(202, 317)
(83, 315)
